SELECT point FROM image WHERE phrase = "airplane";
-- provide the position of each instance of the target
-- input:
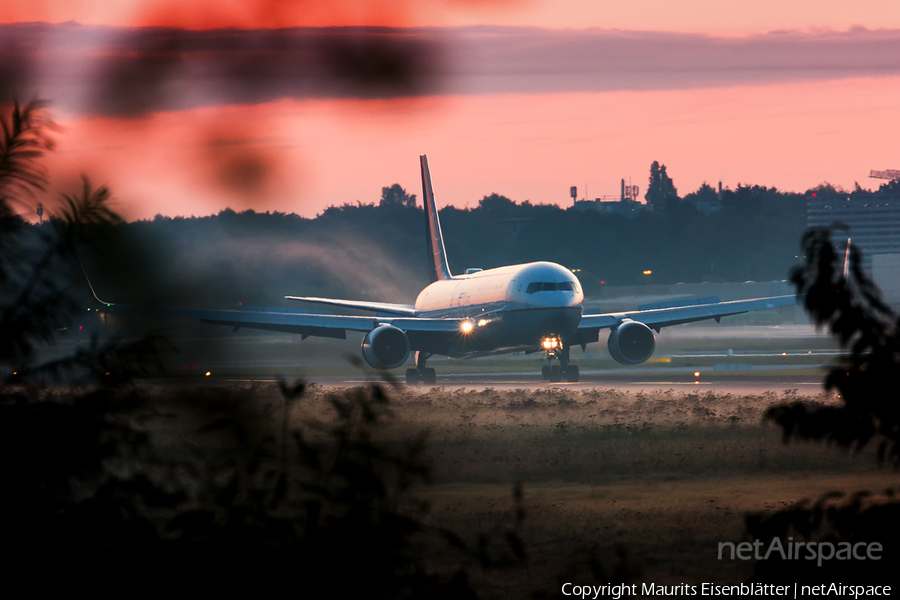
(533, 307)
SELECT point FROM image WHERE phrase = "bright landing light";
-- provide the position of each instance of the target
(467, 326)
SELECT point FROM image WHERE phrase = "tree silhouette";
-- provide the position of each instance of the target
(825, 188)
(395, 196)
(890, 187)
(661, 190)
(497, 204)
(705, 193)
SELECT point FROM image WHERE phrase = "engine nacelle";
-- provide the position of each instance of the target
(385, 347)
(631, 343)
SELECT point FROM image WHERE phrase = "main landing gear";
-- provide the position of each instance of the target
(556, 349)
(421, 373)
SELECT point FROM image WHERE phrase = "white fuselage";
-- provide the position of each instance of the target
(536, 285)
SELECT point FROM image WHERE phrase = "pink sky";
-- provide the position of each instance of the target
(715, 17)
(757, 109)
(792, 136)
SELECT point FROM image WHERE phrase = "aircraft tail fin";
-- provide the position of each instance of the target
(847, 260)
(434, 240)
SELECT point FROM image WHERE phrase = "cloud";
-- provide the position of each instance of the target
(129, 71)
(134, 71)
(531, 60)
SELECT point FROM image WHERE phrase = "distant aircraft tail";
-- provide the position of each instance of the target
(847, 259)
(437, 255)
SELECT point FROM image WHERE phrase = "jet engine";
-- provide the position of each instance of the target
(631, 343)
(385, 347)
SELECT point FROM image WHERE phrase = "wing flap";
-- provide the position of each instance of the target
(302, 330)
(404, 310)
(272, 320)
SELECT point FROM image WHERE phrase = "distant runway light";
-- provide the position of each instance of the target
(696, 373)
(208, 373)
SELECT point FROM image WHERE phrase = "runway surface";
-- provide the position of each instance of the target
(728, 359)
(733, 383)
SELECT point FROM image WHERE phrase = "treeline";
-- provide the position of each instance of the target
(377, 251)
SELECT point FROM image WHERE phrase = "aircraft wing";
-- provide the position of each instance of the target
(405, 310)
(288, 321)
(656, 318)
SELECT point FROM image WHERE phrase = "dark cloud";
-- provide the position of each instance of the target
(17, 68)
(135, 78)
(135, 70)
(130, 71)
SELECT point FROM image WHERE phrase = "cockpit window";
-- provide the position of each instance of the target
(547, 286)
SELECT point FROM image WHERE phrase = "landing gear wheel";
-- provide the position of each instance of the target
(572, 373)
(412, 377)
(555, 374)
(545, 372)
(429, 376)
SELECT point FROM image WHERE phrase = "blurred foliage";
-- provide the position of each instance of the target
(39, 266)
(225, 487)
(25, 139)
(115, 487)
(866, 379)
(112, 485)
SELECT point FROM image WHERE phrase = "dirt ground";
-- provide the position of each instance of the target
(663, 476)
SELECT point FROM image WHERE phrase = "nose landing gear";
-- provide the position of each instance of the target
(421, 373)
(556, 349)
